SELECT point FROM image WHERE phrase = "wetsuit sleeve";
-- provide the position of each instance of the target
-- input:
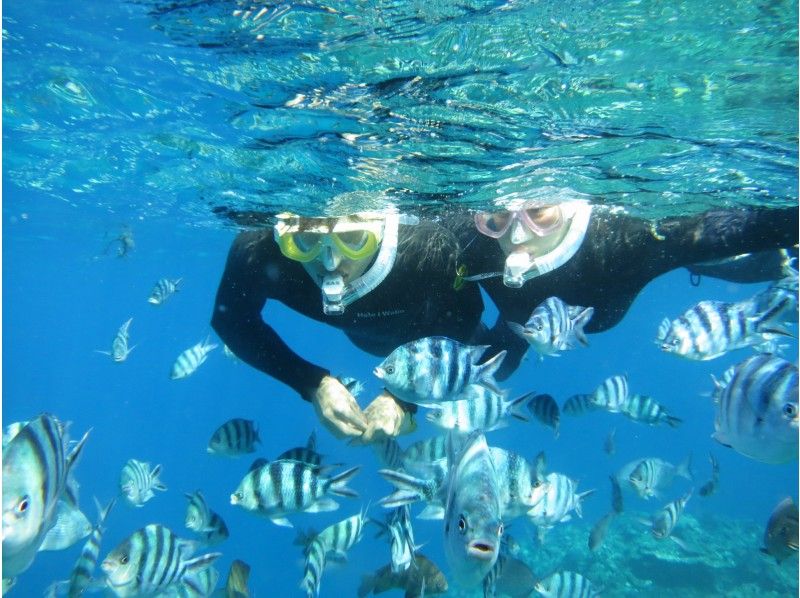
(719, 234)
(241, 296)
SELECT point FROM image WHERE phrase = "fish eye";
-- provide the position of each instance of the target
(500, 530)
(790, 410)
(124, 559)
(676, 342)
(462, 524)
(389, 369)
(239, 495)
(23, 504)
(537, 483)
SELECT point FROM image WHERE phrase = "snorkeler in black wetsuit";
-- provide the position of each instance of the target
(383, 283)
(597, 258)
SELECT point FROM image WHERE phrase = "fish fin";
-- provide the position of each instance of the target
(236, 584)
(58, 588)
(311, 443)
(201, 562)
(680, 543)
(281, 521)
(323, 505)
(663, 330)
(684, 468)
(338, 556)
(338, 484)
(258, 464)
(432, 512)
(75, 453)
(521, 401)
(488, 370)
(673, 422)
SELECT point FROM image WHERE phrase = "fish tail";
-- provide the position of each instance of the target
(673, 422)
(488, 369)
(338, 484)
(517, 329)
(409, 488)
(516, 404)
(580, 321)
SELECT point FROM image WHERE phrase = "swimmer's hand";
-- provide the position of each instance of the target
(386, 416)
(338, 410)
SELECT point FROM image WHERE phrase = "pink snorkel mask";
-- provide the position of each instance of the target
(539, 220)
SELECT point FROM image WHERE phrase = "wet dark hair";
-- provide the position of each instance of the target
(427, 246)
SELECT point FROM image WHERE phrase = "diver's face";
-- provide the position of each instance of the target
(331, 262)
(534, 231)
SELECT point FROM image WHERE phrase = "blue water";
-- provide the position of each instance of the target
(143, 116)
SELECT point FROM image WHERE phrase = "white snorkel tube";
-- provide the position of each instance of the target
(520, 266)
(336, 295)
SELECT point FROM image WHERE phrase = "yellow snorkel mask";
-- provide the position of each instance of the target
(357, 237)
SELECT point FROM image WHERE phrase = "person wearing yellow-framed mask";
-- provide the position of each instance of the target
(383, 278)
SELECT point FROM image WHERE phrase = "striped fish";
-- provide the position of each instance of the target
(37, 464)
(425, 451)
(338, 538)
(665, 520)
(191, 359)
(137, 482)
(545, 409)
(233, 438)
(434, 369)
(519, 485)
(316, 558)
(428, 487)
(203, 521)
(389, 452)
(400, 533)
(650, 476)
(756, 409)
(712, 328)
(560, 499)
(710, 487)
(279, 488)
(554, 326)
(580, 404)
(612, 394)
(307, 454)
(163, 290)
(566, 584)
(70, 526)
(780, 535)
(119, 346)
(483, 410)
(151, 560)
(647, 410)
(81, 578)
(195, 584)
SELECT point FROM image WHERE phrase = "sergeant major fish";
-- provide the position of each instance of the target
(665, 520)
(712, 328)
(554, 326)
(151, 560)
(235, 437)
(401, 537)
(612, 394)
(473, 517)
(647, 410)
(566, 584)
(119, 347)
(37, 468)
(203, 521)
(757, 409)
(137, 482)
(163, 290)
(545, 409)
(650, 476)
(191, 359)
(560, 499)
(434, 369)
(483, 409)
(279, 488)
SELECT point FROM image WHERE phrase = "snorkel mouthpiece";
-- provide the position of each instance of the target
(517, 264)
(332, 295)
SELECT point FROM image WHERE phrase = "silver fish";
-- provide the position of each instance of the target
(645, 409)
(137, 482)
(119, 346)
(712, 328)
(389, 452)
(545, 409)
(520, 486)
(235, 437)
(757, 409)
(780, 535)
(203, 521)
(401, 538)
(473, 517)
(37, 464)
(554, 326)
(599, 530)
(430, 487)
(434, 369)
(560, 499)
(316, 558)
(566, 584)
(70, 526)
(612, 394)
(307, 454)
(279, 488)
(651, 476)
(151, 560)
(195, 584)
(191, 359)
(665, 520)
(483, 409)
(579, 405)
(163, 290)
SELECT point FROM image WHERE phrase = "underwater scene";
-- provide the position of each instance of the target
(348, 298)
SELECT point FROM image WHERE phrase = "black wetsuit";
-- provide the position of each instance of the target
(415, 300)
(618, 257)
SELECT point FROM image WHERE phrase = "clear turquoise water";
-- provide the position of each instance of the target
(149, 116)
